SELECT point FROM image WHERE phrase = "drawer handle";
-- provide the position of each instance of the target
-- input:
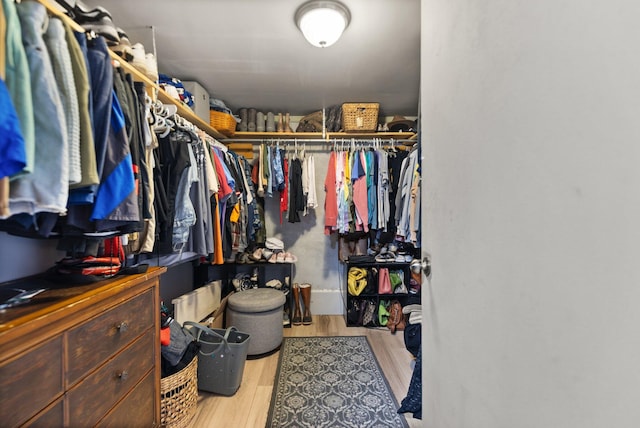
(122, 327)
(123, 375)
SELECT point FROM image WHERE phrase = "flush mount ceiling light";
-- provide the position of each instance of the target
(322, 22)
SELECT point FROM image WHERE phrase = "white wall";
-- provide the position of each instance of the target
(20, 257)
(532, 184)
(317, 254)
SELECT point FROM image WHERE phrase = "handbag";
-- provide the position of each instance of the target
(396, 317)
(356, 281)
(221, 357)
(384, 282)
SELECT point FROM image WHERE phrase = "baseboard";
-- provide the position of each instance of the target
(326, 302)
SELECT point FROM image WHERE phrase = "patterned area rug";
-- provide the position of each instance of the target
(331, 382)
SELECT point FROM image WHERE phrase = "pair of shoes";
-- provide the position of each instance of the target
(385, 257)
(256, 256)
(404, 258)
(274, 283)
(290, 258)
(284, 123)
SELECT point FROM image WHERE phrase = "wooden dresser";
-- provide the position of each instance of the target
(83, 355)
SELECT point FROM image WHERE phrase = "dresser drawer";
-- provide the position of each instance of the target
(30, 382)
(137, 408)
(52, 417)
(99, 338)
(92, 398)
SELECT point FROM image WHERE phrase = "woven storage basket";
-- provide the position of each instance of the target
(360, 117)
(179, 396)
(222, 122)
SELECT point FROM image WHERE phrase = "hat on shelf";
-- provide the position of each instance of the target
(401, 123)
(274, 244)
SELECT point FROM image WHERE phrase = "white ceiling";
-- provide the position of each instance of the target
(249, 53)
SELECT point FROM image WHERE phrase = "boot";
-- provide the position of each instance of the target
(305, 290)
(280, 125)
(251, 125)
(260, 122)
(287, 123)
(271, 122)
(242, 127)
(297, 316)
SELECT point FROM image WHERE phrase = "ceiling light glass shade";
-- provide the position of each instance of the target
(322, 22)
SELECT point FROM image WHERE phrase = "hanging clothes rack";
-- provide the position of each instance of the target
(329, 141)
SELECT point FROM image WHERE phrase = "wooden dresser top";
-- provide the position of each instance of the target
(58, 296)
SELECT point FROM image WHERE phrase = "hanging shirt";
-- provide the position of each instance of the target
(383, 190)
(284, 194)
(360, 192)
(296, 197)
(372, 200)
(310, 190)
(330, 201)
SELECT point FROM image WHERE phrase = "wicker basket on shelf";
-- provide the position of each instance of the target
(360, 117)
(179, 396)
(222, 122)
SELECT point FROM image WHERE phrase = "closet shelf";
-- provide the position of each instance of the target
(187, 113)
(252, 136)
(183, 110)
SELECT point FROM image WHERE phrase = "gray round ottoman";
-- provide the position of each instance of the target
(258, 311)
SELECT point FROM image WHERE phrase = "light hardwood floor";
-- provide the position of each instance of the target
(249, 406)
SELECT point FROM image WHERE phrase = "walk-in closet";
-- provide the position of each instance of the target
(170, 211)
(413, 213)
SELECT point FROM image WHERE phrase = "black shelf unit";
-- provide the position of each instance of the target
(355, 301)
(266, 272)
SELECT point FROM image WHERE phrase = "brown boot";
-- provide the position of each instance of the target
(297, 316)
(305, 290)
(287, 123)
(280, 124)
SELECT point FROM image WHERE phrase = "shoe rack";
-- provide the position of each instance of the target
(264, 272)
(153, 89)
(355, 301)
